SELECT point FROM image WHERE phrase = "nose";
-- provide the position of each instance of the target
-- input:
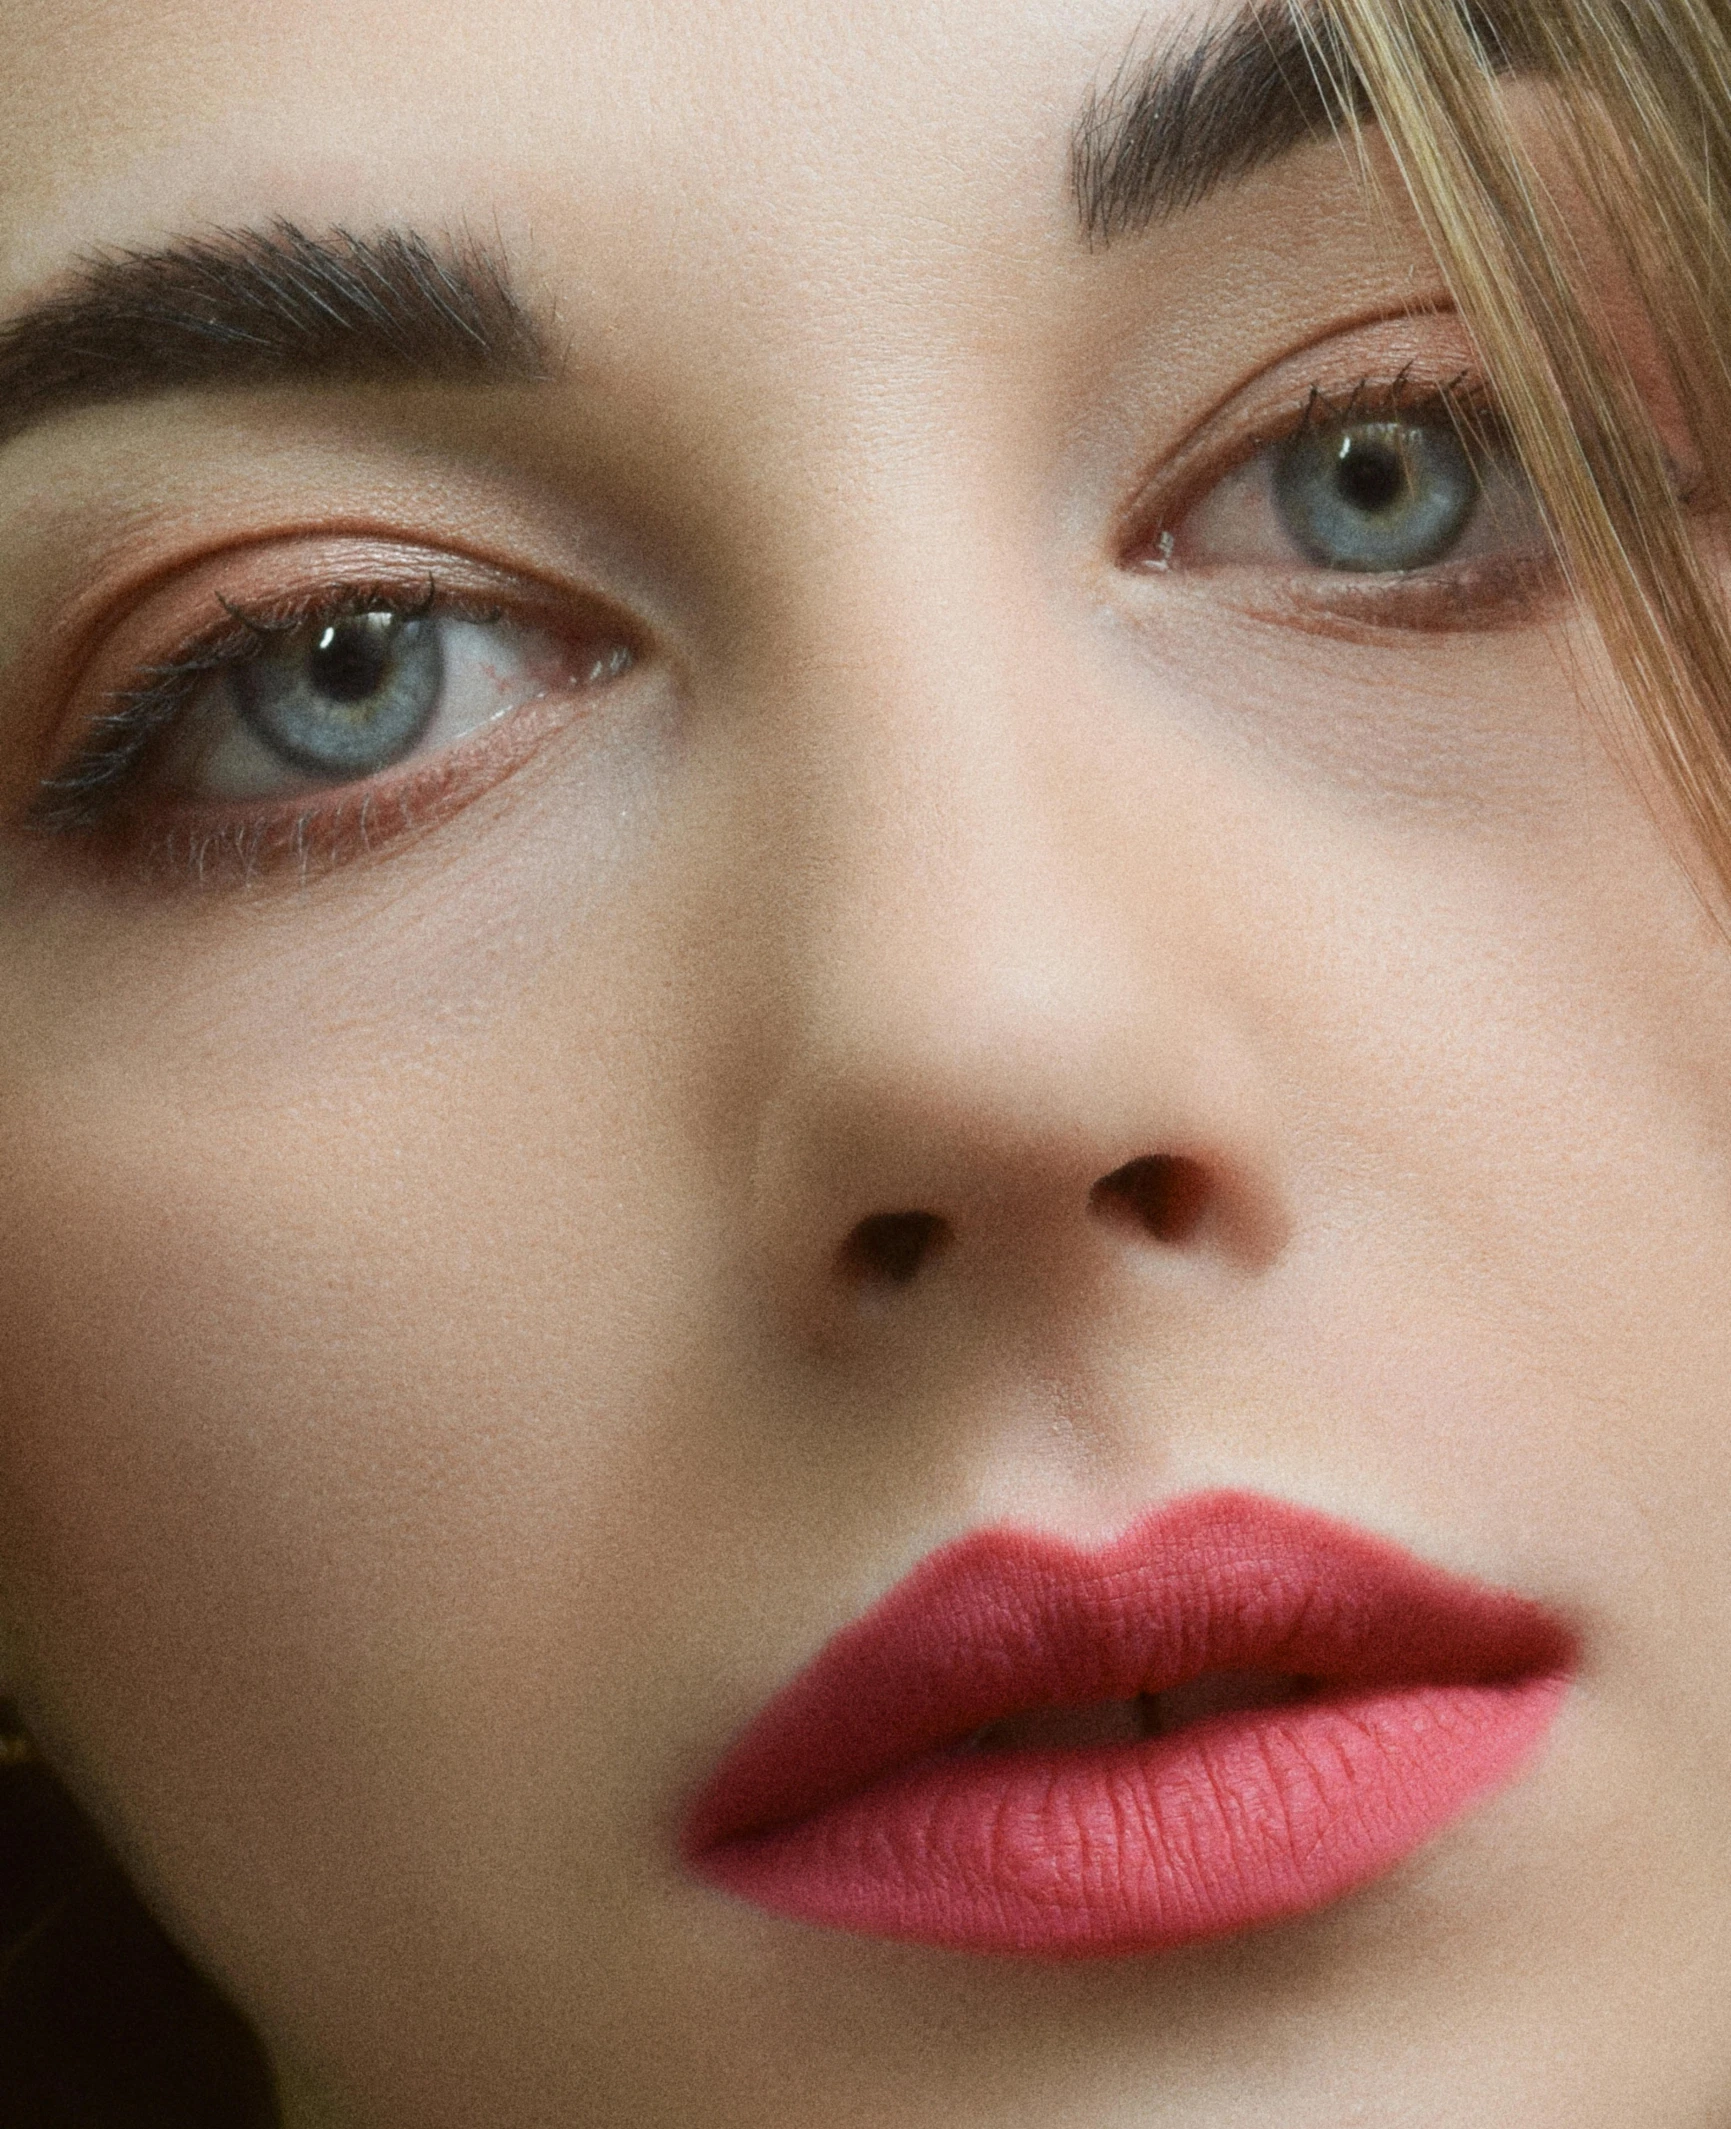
(1014, 1056)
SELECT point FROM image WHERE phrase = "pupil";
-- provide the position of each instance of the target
(1371, 477)
(349, 661)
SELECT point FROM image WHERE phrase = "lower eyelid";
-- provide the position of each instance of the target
(1463, 596)
(335, 826)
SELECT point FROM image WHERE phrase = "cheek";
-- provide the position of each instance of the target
(1533, 1191)
(334, 1451)
(356, 1321)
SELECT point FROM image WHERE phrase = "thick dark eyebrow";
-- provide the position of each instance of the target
(1207, 108)
(266, 306)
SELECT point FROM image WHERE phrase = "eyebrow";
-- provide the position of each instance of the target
(280, 305)
(1208, 108)
(267, 306)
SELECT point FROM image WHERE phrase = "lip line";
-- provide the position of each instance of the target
(1005, 1619)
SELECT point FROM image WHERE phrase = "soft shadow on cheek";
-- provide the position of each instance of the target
(323, 1475)
(280, 1377)
(162, 1399)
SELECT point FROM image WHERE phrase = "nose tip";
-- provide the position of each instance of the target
(1006, 1056)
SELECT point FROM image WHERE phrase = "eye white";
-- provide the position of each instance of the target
(490, 669)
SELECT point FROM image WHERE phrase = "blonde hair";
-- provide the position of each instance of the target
(1643, 92)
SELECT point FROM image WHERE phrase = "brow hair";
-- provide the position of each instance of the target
(1207, 108)
(250, 307)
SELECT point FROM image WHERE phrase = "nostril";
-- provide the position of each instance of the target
(1163, 1194)
(889, 1248)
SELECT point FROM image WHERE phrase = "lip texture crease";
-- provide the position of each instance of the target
(860, 1798)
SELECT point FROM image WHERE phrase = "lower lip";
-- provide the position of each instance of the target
(1241, 1820)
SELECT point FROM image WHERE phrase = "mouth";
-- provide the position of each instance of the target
(1116, 1722)
(1235, 1713)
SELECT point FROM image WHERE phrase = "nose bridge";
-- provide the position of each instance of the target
(995, 995)
(936, 930)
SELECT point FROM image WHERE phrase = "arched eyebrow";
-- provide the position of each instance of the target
(276, 305)
(1208, 107)
(280, 305)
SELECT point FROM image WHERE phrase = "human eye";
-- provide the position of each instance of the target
(320, 723)
(1393, 503)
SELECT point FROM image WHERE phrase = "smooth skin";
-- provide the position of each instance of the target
(438, 1405)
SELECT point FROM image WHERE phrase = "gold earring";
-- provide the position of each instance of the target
(16, 1746)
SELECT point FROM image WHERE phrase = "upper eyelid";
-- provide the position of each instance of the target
(136, 611)
(1429, 348)
(323, 566)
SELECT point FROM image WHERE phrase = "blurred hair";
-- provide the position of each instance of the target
(1631, 150)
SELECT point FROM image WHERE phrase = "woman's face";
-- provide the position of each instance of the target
(910, 734)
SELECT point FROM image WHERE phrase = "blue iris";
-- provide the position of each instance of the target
(344, 698)
(1376, 495)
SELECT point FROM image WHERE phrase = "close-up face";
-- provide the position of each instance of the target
(865, 1165)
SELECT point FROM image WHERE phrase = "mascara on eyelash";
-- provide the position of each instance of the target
(342, 605)
(79, 798)
(1466, 400)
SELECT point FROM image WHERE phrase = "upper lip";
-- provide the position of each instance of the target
(1006, 1620)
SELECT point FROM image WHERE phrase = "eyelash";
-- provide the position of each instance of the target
(83, 795)
(89, 797)
(1444, 595)
(1463, 400)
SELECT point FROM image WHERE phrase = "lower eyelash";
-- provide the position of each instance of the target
(350, 822)
(311, 839)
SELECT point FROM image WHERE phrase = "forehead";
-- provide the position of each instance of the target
(822, 123)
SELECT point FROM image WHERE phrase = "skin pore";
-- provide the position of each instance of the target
(450, 1382)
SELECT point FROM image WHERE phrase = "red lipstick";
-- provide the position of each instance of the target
(1235, 1712)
